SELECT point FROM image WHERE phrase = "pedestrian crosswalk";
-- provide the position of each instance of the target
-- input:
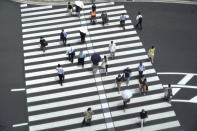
(54, 107)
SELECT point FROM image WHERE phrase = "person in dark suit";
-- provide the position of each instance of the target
(63, 37)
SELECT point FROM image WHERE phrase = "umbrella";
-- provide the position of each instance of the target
(127, 94)
(83, 30)
(79, 3)
(96, 58)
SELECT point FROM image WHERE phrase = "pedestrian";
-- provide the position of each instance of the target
(168, 93)
(63, 37)
(141, 68)
(104, 17)
(81, 58)
(151, 54)
(122, 20)
(139, 21)
(143, 85)
(78, 9)
(104, 64)
(87, 117)
(143, 115)
(70, 8)
(127, 74)
(60, 72)
(94, 7)
(70, 52)
(83, 35)
(125, 101)
(112, 49)
(118, 82)
(43, 44)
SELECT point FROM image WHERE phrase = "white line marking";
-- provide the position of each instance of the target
(35, 8)
(182, 86)
(175, 73)
(14, 90)
(18, 125)
(185, 79)
(193, 100)
(23, 5)
(157, 127)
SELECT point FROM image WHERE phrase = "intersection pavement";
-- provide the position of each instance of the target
(54, 107)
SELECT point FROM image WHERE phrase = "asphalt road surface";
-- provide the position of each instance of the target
(171, 28)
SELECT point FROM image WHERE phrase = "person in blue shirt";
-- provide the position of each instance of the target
(63, 37)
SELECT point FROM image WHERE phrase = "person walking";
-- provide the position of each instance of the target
(118, 82)
(104, 65)
(87, 117)
(112, 49)
(122, 20)
(63, 37)
(125, 101)
(43, 44)
(94, 7)
(127, 74)
(141, 68)
(104, 17)
(70, 52)
(143, 115)
(81, 58)
(83, 35)
(70, 8)
(151, 54)
(139, 21)
(143, 85)
(60, 72)
(168, 93)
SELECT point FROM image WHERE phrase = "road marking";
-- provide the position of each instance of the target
(36, 8)
(21, 89)
(23, 5)
(20, 124)
(185, 79)
(182, 86)
(175, 73)
(193, 100)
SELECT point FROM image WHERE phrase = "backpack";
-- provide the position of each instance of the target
(140, 20)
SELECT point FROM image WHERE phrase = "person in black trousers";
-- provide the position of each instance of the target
(94, 7)
(63, 37)
(139, 21)
(60, 72)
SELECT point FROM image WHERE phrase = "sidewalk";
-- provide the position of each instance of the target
(63, 2)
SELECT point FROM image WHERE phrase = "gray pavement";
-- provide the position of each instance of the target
(171, 33)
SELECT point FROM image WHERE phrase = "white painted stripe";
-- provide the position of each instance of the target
(182, 86)
(84, 73)
(161, 126)
(18, 125)
(44, 12)
(175, 73)
(36, 8)
(14, 90)
(138, 109)
(57, 15)
(34, 53)
(150, 118)
(63, 55)
(63, 94)
(45, 17)
(23, 5)
(63, 113)
(55, 31)
(73, 35)
(64, 103)
(59, 25)
(47, 88)
(48, 22)
(90, 128)
(185, 79)
(51, 26)
(66, 123)
(133, 100)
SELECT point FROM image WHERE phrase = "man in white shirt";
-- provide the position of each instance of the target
(112, 49)
(60, 72)
(70, 52)
(139, 21)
